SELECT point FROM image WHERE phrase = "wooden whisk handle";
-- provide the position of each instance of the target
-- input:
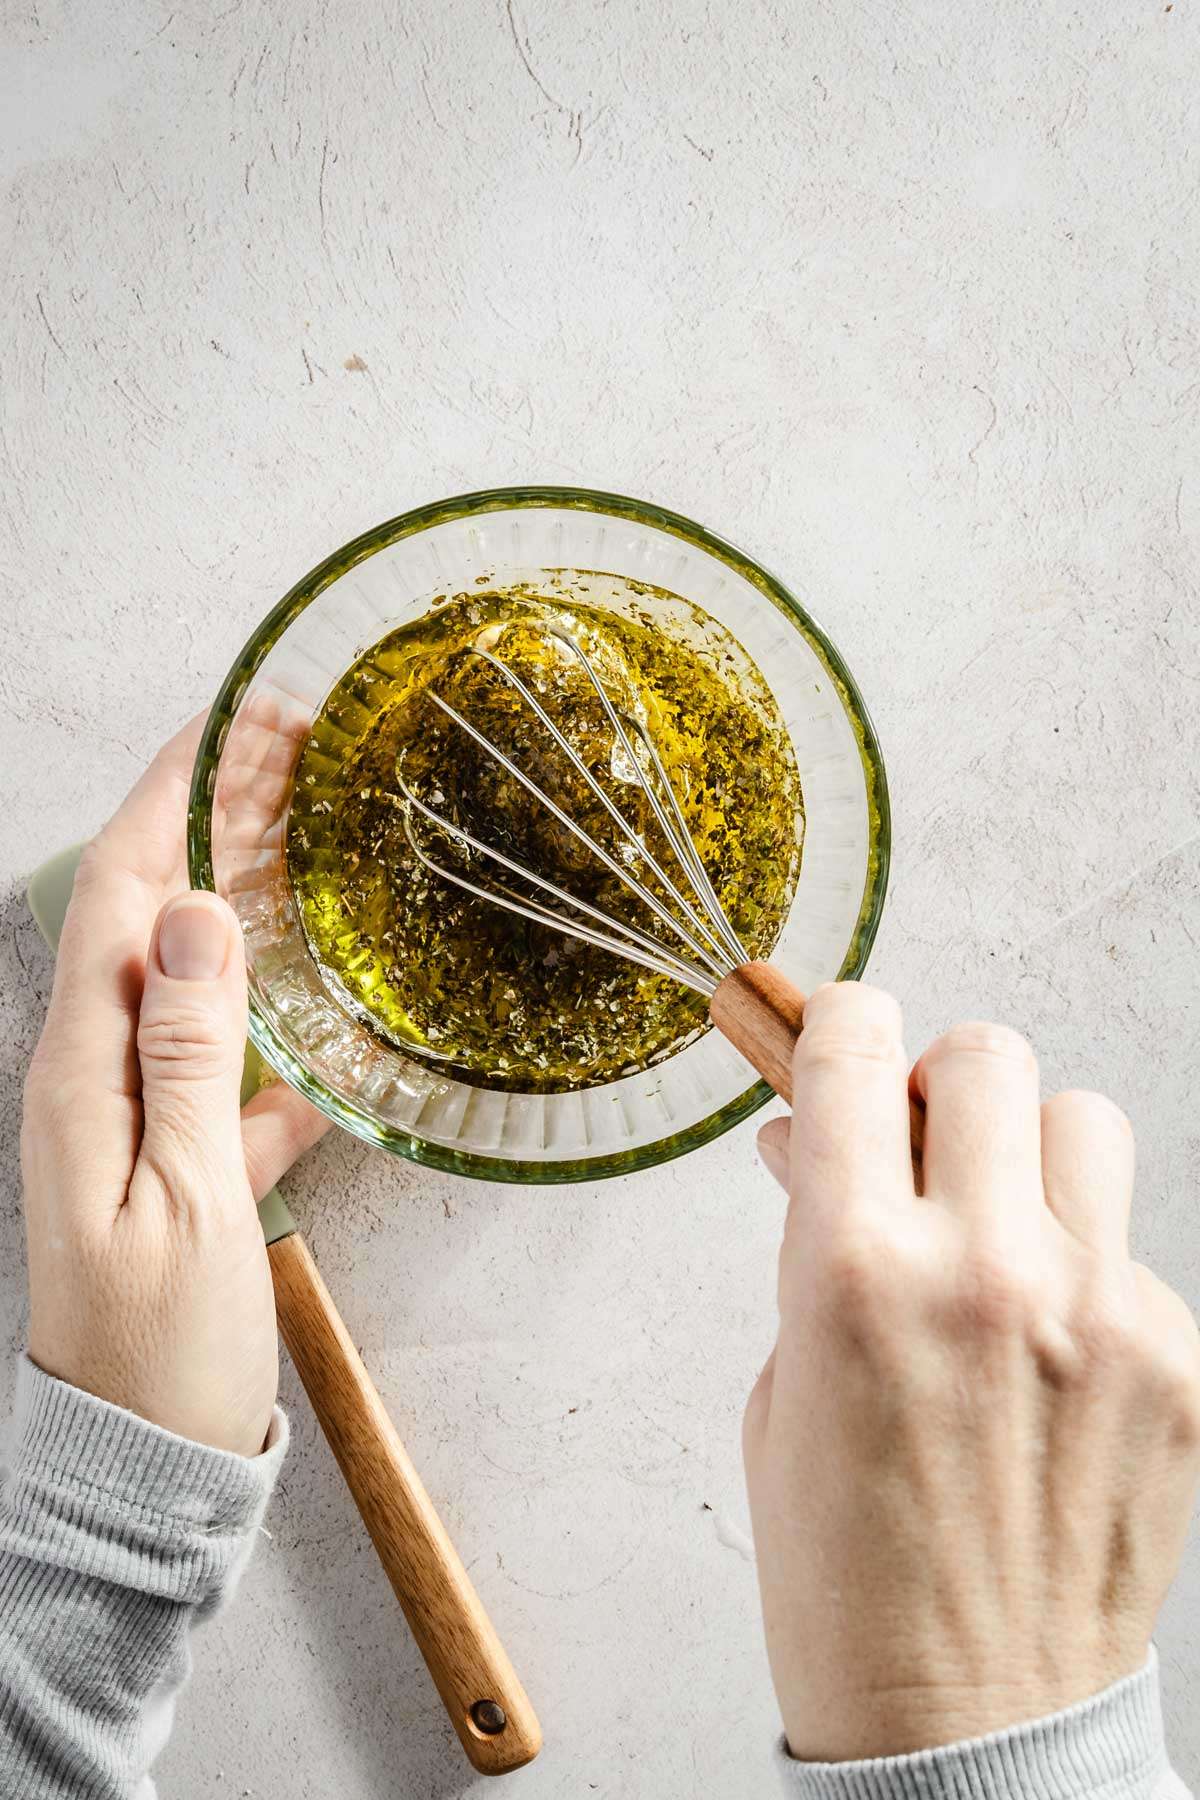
(762, 1015)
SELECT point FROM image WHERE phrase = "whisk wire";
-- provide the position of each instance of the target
(711, 941)
(685, 850)
(674, 830)
(662, 962)
(610, 806)
(610, 862)
(682, 969)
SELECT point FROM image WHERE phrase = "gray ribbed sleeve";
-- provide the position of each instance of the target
(1108, 1748)
(115, 1537)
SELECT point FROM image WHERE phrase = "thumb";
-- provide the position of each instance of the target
(775, 1148)
(191, 1038)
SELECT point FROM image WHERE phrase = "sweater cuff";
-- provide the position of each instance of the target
(1109, 1747)
(97, 1490)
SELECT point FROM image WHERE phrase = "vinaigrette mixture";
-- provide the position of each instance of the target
(498, 1000)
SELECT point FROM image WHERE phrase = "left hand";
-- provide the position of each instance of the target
(148, 1275)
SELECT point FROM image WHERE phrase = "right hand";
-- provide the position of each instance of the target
(973, 1452)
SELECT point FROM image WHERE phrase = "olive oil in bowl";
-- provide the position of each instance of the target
(497, 1000)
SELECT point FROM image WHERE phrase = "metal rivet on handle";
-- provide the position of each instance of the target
(489, 1716)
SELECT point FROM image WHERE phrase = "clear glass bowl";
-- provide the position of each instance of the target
(242, 784)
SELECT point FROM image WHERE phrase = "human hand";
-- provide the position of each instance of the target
(972, 1454)
(148, 1275)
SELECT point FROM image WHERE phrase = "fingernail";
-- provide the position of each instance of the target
(193, 941)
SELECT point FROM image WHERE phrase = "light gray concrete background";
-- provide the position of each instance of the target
(902, 297)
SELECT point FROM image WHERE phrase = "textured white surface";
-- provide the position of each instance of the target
(900, 297)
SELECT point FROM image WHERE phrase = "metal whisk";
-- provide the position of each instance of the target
(751, 1003)
(713, 949)
(755, 1006)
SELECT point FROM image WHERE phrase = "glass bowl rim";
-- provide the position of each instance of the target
(421, 518)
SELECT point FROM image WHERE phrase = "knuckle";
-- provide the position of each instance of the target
(846, 1020)
(1178, 1372)
(91, 860)
(188, 1040)
(1108, 1329)
(979, 1037)
(1172, 1351)
(879, 1284)
(55, 1099)
(995, 1294)
(853, 996)
(826, 993)
(867, 1267)
(854, 1271)
(166, 761)
(834, 1048)
(1055, 1352)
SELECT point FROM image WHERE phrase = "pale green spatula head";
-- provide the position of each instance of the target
(49, 894)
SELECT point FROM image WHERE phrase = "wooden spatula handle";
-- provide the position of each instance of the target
(486, 1702)
(762, 1015)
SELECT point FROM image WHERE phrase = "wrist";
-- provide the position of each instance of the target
(903, 1721)
(229, 1408)
(1111, 1742)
